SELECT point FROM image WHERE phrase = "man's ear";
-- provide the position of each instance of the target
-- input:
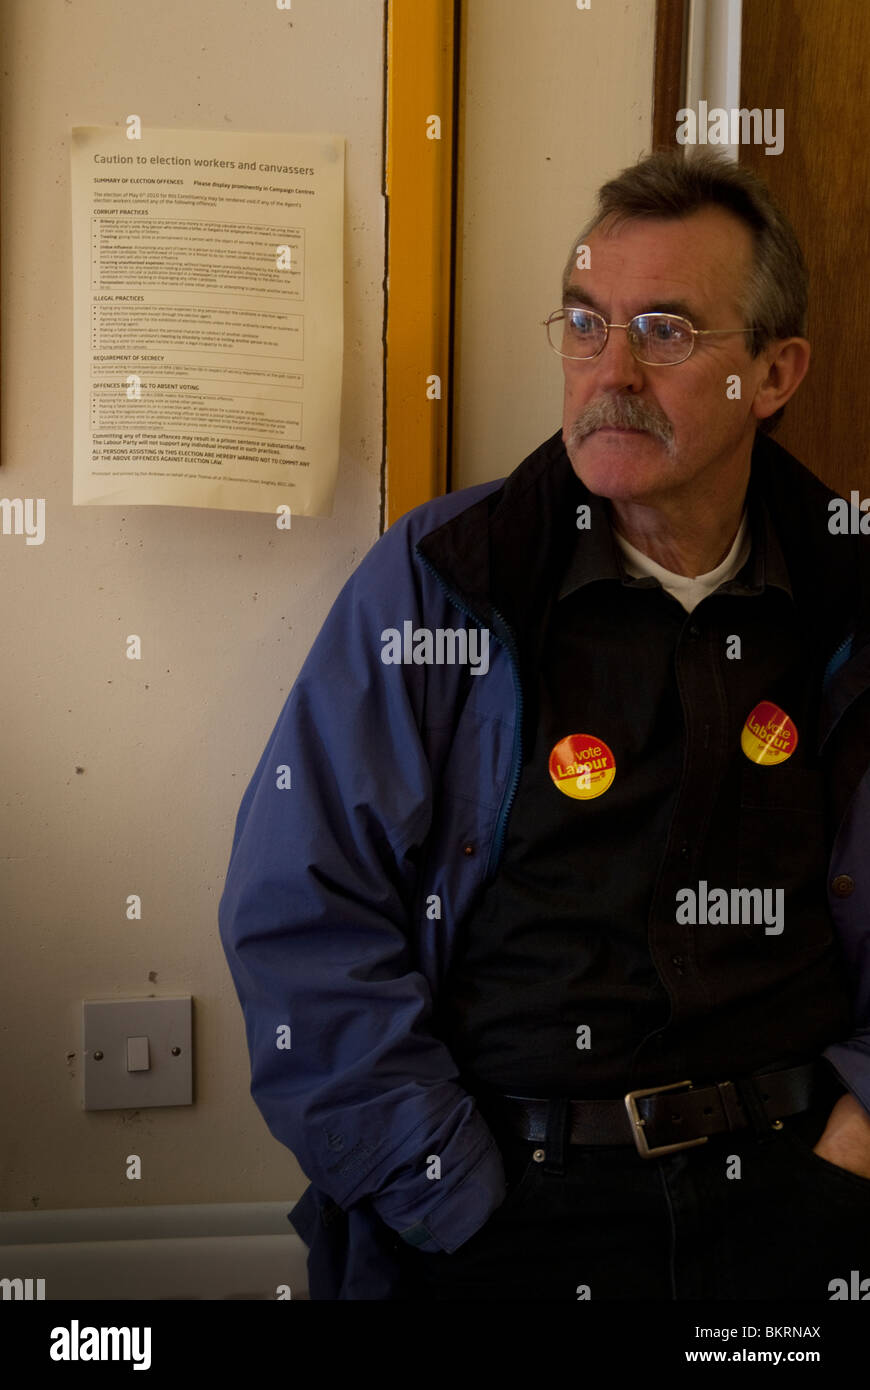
(787, 361)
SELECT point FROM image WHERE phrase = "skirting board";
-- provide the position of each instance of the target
(232, 1251)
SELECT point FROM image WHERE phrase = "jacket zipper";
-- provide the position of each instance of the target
(517, 756)
(516, 764)
(831, 668)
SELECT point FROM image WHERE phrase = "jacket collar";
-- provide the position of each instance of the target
(595, 555)
(502, 554)
(505, 556)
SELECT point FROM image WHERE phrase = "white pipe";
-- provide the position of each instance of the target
(713, 57)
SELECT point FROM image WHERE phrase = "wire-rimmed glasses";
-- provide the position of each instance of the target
(657, 340)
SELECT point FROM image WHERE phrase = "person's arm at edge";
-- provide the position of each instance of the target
(315, 924)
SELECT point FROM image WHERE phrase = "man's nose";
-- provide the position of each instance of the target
(616, 367)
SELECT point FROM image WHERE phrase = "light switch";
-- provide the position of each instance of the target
(137, 1053)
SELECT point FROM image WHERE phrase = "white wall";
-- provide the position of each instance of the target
(226, 605)
(557, 101)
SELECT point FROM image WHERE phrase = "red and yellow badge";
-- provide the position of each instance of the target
(768, 736)
(582, 766)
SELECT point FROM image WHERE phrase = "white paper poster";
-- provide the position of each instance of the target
(208, 318)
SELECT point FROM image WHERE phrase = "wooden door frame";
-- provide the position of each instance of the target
(669, 73)
(423, 56)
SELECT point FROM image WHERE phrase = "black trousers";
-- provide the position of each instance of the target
(736, 1218)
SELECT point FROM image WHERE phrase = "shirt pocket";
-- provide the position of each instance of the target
(782, 845)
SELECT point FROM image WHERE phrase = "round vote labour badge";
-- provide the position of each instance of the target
(768, 736)
(582, 766)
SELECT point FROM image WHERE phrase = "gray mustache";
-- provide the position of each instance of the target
(621, 413)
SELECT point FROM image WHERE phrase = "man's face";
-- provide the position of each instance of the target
(695, 266)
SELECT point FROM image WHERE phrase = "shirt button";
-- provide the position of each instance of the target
(468, 849)
(679, 962)
(694, 630)
(842, 886)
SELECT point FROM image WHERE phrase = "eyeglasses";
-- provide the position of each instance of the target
(658, 340)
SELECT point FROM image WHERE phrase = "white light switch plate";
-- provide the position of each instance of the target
(107, 1026)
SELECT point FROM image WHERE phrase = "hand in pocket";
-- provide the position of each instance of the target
(845, 1140)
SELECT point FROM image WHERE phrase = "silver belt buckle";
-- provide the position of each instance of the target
(637, 1123)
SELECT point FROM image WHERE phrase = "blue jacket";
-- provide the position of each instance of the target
(376, 816)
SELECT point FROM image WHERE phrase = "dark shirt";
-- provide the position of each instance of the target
(579, 928)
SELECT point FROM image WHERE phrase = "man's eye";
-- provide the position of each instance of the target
(581, 323)
(666, 330)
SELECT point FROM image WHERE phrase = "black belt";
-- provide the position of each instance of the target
(662, 1119)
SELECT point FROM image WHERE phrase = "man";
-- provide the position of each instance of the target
(553, 948)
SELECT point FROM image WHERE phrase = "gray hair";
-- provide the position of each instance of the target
(773, 300)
